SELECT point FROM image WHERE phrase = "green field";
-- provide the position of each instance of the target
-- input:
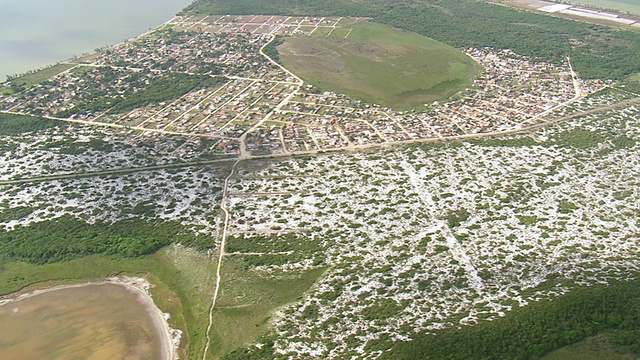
(41, 75)
(598, 347)
(246, 302)
(379, 64)
(627, 6)
(183, 281)
(33, 78)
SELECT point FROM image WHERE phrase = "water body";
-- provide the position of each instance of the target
(37, 33)
(95, 321)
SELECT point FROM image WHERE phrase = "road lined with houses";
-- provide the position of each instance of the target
(247, 156)
(265, 111)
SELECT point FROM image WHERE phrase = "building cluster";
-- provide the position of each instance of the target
(268, 110)
(195, 53)
(415, 239)
(262, 24)
(84, 92)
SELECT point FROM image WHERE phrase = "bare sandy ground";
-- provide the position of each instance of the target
(169, 338)
(622, 20)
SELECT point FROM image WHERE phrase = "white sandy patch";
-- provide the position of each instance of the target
(555, 8)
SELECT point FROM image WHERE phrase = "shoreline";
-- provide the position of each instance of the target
(169, 338)
(60, 35)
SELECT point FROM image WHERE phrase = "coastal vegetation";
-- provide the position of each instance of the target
(164, 89)
(539, 328)
(19, 82)
(18, 124)
(331, 256)
(140, 92)
(248, 299)
(67, 238)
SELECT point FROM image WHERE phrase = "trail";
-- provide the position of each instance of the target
(223, 240)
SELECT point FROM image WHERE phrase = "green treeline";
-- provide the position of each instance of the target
(67, 238)
(600, 52)
(17, 124)
(271, 49)
(165, 89)
(596, 51)
(288, 7)
(536, 329)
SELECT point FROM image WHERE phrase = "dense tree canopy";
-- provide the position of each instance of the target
(18, 124)
(165, 89)
(67, 238)
(539, 328)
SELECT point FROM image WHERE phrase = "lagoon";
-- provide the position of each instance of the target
(37, 33)
(89, 321)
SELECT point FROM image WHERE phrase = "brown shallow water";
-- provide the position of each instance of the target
(95, 321)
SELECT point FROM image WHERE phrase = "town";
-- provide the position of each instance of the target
(257, 107)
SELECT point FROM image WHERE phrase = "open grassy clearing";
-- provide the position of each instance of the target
(247, 300)
(29, 80)
(322, 32)
(183, 281)
(598, 347)
(379, 64)
(340, 33)
(42, 75)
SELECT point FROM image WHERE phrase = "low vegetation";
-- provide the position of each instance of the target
(18, 124)
(140, 92)
(600, 347)
(169, 88)
(22, 81)
(247, 301)
(334, 254)
(66, 238)
(380, 65)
